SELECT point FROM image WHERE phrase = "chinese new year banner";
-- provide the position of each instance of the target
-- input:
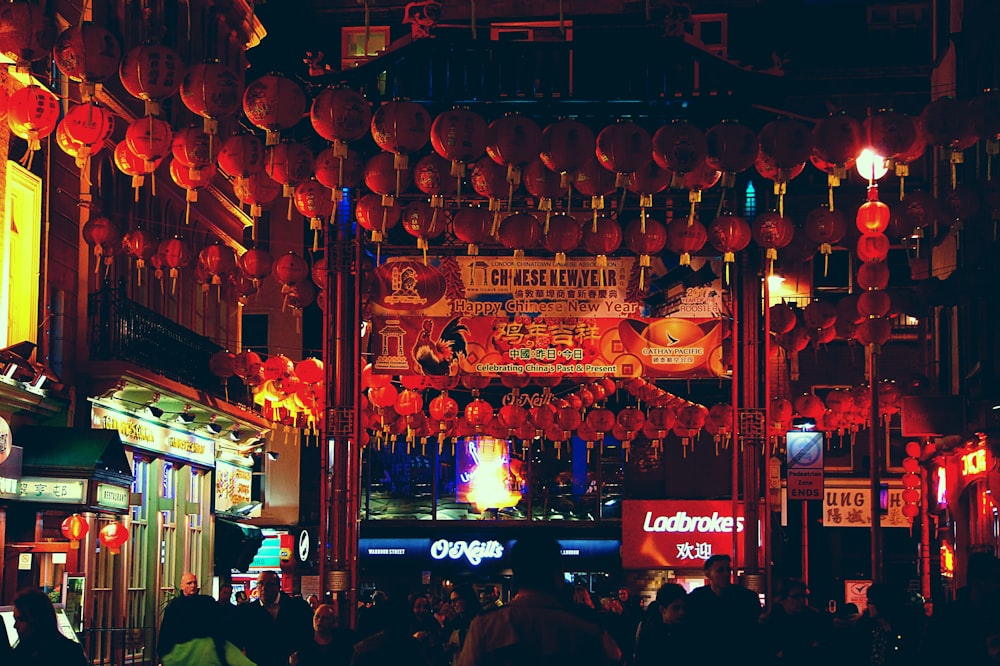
(492, 316)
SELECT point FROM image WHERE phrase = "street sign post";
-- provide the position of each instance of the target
(805, 464)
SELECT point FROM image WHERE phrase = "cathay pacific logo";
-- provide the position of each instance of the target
(682, 522)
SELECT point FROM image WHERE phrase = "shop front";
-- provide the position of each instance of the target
(964, 484)
(68, 474)
(432, 559)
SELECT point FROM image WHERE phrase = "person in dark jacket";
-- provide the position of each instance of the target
(794, 632)
(39, 640)
(664, 633)
(274, 626)
(725, 616)
(331, 645)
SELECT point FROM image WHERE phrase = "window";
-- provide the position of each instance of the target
(532, 31)
(711, 30)
(20, 238)
(356, 49)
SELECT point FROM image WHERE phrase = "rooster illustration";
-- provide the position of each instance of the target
(440, 357)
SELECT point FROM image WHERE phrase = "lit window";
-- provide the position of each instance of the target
(20, 238)
(750, 202)
(357, 47)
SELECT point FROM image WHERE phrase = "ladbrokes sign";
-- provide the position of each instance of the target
(658, 534)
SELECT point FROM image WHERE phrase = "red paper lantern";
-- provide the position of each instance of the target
(222, 364)
(218, 260)
(783, 318)
(874, 331)
(478, 412)
(729, 233)
(623, 148)
(191, 180)
(340, 115)
(809, 406)
(459, 136)
(443, 408)
(401, 127)
(890, 133)
(75, 529)
(338, 172)
(313, 201)
(88, 54)
(177, 254)
(873, 217)
(512, 416)
(873, 247)
(33, 114)
(785, 143)
(274, 103)
(289, 164)
(212, 91)
(382, 177)
(423, 222)
(819, 314)
(290, 269)
(949, 122)
(149, 139)
(27, 32)
(193, 148)
(432, 176)
(767, 169)
(630, 419)
(242, 156)
(772, 232)
(513, 140)
(472, 226)
(601, 419)
(373, 216)
(564, 235)
(837, 140)
(685, 237)
(566, 145)
(605, 240)
(873, 303)
(104, 236)
(650, 179)
(593, 180)
(646, 242)
(246, 364)
(679, 146)
(825, 227)
(256, 264)
(731, 147)
(519, 232)
(409, 402)
(489, 179)
(256, 190)
(847, 307)
(141, 246)
(153, 72)
(88, 125)
(873, 275)
(383, 396)
(113, 536)
(542, 183)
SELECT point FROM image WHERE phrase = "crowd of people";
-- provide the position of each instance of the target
(550, 622)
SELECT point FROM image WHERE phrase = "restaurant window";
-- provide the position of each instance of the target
(20, 238)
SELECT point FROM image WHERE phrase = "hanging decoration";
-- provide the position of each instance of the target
(87, 54)
(153, 72)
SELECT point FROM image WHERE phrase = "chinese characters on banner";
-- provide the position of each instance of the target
(498, 316)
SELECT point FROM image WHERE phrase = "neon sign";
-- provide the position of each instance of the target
(974, 462)
(474, 551)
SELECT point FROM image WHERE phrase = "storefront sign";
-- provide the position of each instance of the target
(974, 463)
(114, 497)
(6, 441)
(548, 345)
(141, 433)
(848, 504)
(10, 474)
(233, 486)
(477, 553)
(54, 490)
(473, 551)
(658, 534)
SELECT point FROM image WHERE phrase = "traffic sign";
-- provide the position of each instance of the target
(805, 484)
(805, 449)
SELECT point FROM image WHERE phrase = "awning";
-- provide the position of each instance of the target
(236, 544)
(76, 453)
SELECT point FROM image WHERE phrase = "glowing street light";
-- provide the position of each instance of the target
(871, 165)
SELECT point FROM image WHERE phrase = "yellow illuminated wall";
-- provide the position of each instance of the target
(20, 248)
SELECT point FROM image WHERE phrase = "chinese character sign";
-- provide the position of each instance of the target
(678, 533)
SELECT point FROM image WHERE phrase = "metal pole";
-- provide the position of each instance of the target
(766, 403)
(805, 540)
(925, 536)
(874, 467)
(736, 441)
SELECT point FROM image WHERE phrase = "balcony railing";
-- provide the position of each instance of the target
(121, 329)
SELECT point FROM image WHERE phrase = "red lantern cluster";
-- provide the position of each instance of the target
(873, 303)
(911, 480)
